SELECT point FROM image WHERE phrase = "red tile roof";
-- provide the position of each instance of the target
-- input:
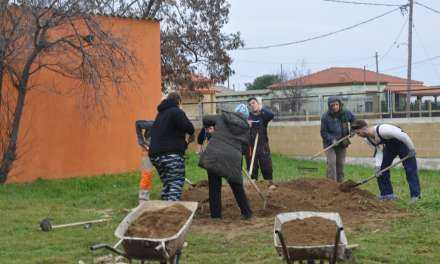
(420, 90)
(337, 76)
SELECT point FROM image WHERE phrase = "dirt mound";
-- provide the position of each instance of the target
(162, 223)
(312, 231)
(305, 194)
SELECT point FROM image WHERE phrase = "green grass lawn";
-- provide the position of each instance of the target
(414, 239)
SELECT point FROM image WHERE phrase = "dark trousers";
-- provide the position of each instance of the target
(263, 161)
(215, 196)
(392, 150)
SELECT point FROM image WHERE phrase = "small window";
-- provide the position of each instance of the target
(368, 107)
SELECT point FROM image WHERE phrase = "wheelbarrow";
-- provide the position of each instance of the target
(163, 250)
(330, 253)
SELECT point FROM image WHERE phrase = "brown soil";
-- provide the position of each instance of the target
(312, 231)
(347, 186)
(158, 224)
(357, 207)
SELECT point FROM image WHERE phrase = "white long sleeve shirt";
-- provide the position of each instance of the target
(387, 132)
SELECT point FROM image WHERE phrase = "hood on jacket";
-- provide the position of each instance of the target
(166, 104)
(235, 122)
(333, 99)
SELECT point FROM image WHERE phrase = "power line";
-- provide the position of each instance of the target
(362, 3)
(323, 35)
(352, 60)
(426, 52)
(417, 62)
(395, 41)
(427, 7)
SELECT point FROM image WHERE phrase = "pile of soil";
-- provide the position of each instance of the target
(306, 194)
(312, 231)
(162, 223)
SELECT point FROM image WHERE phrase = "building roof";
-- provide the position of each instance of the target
(337, 76)
(416, 90)
(244, 93)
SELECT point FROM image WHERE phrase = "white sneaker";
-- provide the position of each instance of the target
(414, 199)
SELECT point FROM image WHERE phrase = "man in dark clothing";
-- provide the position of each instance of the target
(335, 124)
(223, 159)
(259, 118)
(168, 145)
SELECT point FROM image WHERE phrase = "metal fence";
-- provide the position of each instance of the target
(307, 108)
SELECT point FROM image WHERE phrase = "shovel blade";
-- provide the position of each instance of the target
(348, 186)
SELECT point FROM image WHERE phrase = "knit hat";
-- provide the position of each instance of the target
(243, 110)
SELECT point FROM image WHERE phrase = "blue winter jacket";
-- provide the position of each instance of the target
(335, 125)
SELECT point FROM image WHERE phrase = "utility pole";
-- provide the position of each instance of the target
(281, 73)
(408, 81)
(378, 84)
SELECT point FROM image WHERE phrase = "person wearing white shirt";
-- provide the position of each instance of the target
(390, 141)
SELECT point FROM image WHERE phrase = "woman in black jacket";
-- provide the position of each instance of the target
(223, 158)
(168, 145)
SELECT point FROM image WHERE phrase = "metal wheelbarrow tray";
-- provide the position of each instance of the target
(160, 249)
(309, 252)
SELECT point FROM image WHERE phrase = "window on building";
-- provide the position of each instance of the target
(368, 107)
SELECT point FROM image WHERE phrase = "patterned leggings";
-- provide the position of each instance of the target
(171, 169)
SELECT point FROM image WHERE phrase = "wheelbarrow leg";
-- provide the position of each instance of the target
(337, 240)
(283, 244)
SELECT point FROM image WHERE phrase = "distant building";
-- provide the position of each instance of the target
(361, 90)
(227, 100)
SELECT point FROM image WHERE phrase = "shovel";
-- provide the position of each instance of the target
(349, 185)
(331, 146)
(251, 168)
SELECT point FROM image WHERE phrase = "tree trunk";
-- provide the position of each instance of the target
(10, 154)
(11, 151)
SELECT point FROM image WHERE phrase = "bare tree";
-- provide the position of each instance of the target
(290, 96)
(192, 41)
(60, 36)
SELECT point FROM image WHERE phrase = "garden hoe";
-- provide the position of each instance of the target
(46, 225)
(349, 185)
(331, 146)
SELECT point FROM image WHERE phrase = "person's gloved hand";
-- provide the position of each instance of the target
(412, 153)
(334, 141)
(377, 170)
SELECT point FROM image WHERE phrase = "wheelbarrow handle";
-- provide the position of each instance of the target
(108, 247)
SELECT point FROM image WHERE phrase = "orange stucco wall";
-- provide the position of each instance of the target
(57, 142)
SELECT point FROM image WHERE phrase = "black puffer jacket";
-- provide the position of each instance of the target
(223, 155)
(169, 130)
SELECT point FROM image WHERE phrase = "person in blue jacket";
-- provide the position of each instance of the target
(335, 124)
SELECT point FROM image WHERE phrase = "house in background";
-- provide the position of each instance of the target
(361, 90)
(228, 100)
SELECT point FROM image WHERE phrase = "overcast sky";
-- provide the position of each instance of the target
(263, 22)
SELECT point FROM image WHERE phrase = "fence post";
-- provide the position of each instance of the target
(420, 107)
(430, 108)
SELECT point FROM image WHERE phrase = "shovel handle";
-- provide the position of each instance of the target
(255, 186)
(254, 151)
(377, 175)
(331, 146)
(82, 223)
